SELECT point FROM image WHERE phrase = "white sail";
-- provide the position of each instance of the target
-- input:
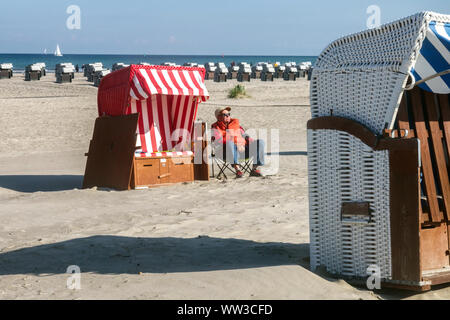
(58, 51)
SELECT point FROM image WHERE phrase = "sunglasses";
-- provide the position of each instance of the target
(225, 114)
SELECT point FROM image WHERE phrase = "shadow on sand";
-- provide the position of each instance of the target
(116, 255)
(44, 183)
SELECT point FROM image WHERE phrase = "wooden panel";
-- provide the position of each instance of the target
(111, 152)
(436, 136)
(427, 168)
(347, 125)
(444, 109)
(181, 169)
(434, 248)
(200, 147)
(147, 171)
(404, 206)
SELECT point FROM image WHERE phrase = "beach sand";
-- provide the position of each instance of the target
(234, 239)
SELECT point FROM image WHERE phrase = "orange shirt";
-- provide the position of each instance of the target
(228, 132)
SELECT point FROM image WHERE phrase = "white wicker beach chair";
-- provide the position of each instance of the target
(366, 196)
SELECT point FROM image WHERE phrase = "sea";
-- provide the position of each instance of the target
(20, 61)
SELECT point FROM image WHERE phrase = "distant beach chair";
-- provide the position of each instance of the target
(267, 72)
(233, 72)
(64, 72)
(256, 71)
(98, 75)
(290, 72)
(221, 72)
(210, 70)
(279, 70)
(43, 70)
(33, 72)
(146, 134)
(6, 70)
(244, 73)
(118, 66)
(91, 68)
(378, 154)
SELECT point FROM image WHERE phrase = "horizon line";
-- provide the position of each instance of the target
(181, 55)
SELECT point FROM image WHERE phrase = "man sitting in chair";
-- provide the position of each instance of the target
(232, 142)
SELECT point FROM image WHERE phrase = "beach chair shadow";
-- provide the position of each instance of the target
(130, 255)
(43, 183)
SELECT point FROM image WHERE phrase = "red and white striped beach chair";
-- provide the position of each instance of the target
(143, 136)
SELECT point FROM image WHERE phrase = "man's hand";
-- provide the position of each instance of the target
(241, 148)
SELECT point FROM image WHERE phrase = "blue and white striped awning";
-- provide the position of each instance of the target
(434, 58)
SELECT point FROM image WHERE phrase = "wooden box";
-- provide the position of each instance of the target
(149, 172)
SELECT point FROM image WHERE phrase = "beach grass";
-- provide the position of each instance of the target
(238, 92)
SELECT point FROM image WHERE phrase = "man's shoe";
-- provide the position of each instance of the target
(255, 173)
(239, 174)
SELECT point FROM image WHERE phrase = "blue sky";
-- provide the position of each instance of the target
(230, 27)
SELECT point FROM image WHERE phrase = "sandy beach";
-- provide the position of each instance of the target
(234, 239)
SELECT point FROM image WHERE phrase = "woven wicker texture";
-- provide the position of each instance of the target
(341, 168)
(362, 76)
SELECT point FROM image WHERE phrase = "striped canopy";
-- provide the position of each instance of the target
(434, 58)
(166, 99)
(151, 80)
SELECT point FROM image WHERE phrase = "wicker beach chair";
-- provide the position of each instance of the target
(98, 75)
(210, 68)
(64, 72)
(267, 72)
(378, 150)
(6, 70)
(145, 134)
(244, 72)
(33, 72)
(220, 75)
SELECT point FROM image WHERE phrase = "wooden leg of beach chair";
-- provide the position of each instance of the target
(201, 169)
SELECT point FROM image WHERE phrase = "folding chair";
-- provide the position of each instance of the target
(245, 163)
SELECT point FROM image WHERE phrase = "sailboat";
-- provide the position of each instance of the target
(45, 51)
(58, 51)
